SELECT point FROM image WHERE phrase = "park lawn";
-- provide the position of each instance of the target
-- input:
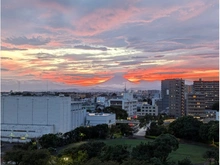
(191, 151)
(129, 142)
(72, 145)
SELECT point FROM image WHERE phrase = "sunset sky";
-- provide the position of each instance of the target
(86, 43)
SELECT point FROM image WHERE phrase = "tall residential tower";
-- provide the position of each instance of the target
(210, 89)
(172, 92)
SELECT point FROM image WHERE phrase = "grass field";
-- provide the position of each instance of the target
(191, 151)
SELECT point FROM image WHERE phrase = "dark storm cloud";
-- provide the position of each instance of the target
(27, 41)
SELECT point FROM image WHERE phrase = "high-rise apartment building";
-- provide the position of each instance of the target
(172, 92)
(195, 104)
(210, 89)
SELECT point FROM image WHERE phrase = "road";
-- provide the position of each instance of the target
(142, 131)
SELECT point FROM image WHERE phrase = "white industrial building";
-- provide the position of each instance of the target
(93, 119)
(25, 117)
(127, 102)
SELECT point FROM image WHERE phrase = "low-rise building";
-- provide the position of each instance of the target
(148, 109)
(126, 102)
(93, 119)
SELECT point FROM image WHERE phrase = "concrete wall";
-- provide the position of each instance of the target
(40, 110)
(95, 119)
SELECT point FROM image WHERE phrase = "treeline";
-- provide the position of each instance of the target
(186, 127)
(190, 128)
(151, 153)
(101, 131)
(98, 153)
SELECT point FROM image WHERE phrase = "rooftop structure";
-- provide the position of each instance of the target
(93, 119)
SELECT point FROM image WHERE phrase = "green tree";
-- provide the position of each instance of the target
(160, 119)
(213, 133)
(215, 106)
(14, 156)
(156, 130)
(96, 161)
(203, 132)
(143, 152)
(212, 154)
(36, 157)
(185, 161)
(50, 140)
(93, 149)
(120, 113)
(80, 157)
(93, 161)
(164, 145)
(185, 127)
(144, 120)
(209, 132)
(136, 162)
(116, 153)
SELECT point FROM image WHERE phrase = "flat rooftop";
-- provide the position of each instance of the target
(99, 114)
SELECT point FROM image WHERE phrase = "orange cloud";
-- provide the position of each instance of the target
(76, 80)
(155, 74)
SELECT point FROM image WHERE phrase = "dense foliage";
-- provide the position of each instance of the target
(95, 153)
(155, 129)
(120, 113)
(190, 128)
(215, 106)
(186, 127)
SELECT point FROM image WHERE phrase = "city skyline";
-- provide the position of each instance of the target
(86, 44)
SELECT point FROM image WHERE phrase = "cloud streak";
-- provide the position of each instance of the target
(86, 43)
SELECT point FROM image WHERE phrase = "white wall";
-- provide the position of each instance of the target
(40, 110)
(13, 133)
(42, 114)
(93, 119)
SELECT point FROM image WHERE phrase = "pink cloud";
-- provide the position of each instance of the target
(102, 20)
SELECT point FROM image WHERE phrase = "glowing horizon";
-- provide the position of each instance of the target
(87, 44)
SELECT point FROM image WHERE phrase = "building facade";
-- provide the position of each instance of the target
(210, 89)
(93, 119)
(195, 105)
(148, 109)
(127, 102)
(34, 116)
(172, 92)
